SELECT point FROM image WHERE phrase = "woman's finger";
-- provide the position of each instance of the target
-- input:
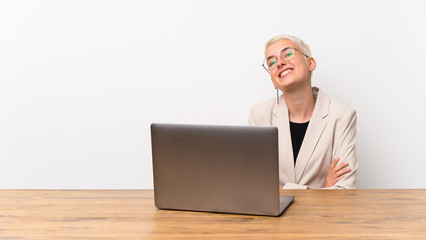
(339, 178)
(334, 163)
(343, 171)
(340, 166)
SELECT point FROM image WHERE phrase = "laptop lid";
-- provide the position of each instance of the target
(229, 169)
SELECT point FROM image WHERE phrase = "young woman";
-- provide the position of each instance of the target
(317, 133)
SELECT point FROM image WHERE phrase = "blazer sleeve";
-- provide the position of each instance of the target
(291, 185)
(345, 141)
(255, 118)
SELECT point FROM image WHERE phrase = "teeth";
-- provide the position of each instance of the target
(285, 72)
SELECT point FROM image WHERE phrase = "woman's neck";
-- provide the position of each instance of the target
(300, 103)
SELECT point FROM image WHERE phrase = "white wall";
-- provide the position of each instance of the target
(81, 81)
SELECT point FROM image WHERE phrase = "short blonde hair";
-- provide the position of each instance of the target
(304, 47)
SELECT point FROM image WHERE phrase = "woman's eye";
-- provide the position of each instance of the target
(272, 63)
(288, 54)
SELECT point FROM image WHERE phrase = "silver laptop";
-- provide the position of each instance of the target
(227, 169)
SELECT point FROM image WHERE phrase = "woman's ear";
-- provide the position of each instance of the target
(312, 64)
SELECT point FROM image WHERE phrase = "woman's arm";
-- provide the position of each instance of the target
(336, 173)
(344, 150)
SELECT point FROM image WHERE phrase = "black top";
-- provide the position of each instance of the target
(297, 131)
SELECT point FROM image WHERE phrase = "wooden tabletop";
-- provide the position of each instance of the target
(131, 214)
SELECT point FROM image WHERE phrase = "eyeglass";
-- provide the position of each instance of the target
(286, 54)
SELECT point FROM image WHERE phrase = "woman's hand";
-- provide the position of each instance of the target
(336, 172)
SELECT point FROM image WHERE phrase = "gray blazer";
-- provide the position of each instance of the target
(331, 133)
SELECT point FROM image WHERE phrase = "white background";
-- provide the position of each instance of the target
(81, 81)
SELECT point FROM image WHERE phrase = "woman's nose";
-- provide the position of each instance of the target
(281, 62)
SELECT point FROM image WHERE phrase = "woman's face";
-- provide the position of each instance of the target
(289, 74)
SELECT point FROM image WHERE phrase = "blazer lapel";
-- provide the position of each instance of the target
(313, 133)
(280, 120)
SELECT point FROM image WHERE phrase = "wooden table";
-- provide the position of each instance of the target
(131, 214)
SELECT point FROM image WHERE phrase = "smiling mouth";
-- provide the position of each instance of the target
(283, 73)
